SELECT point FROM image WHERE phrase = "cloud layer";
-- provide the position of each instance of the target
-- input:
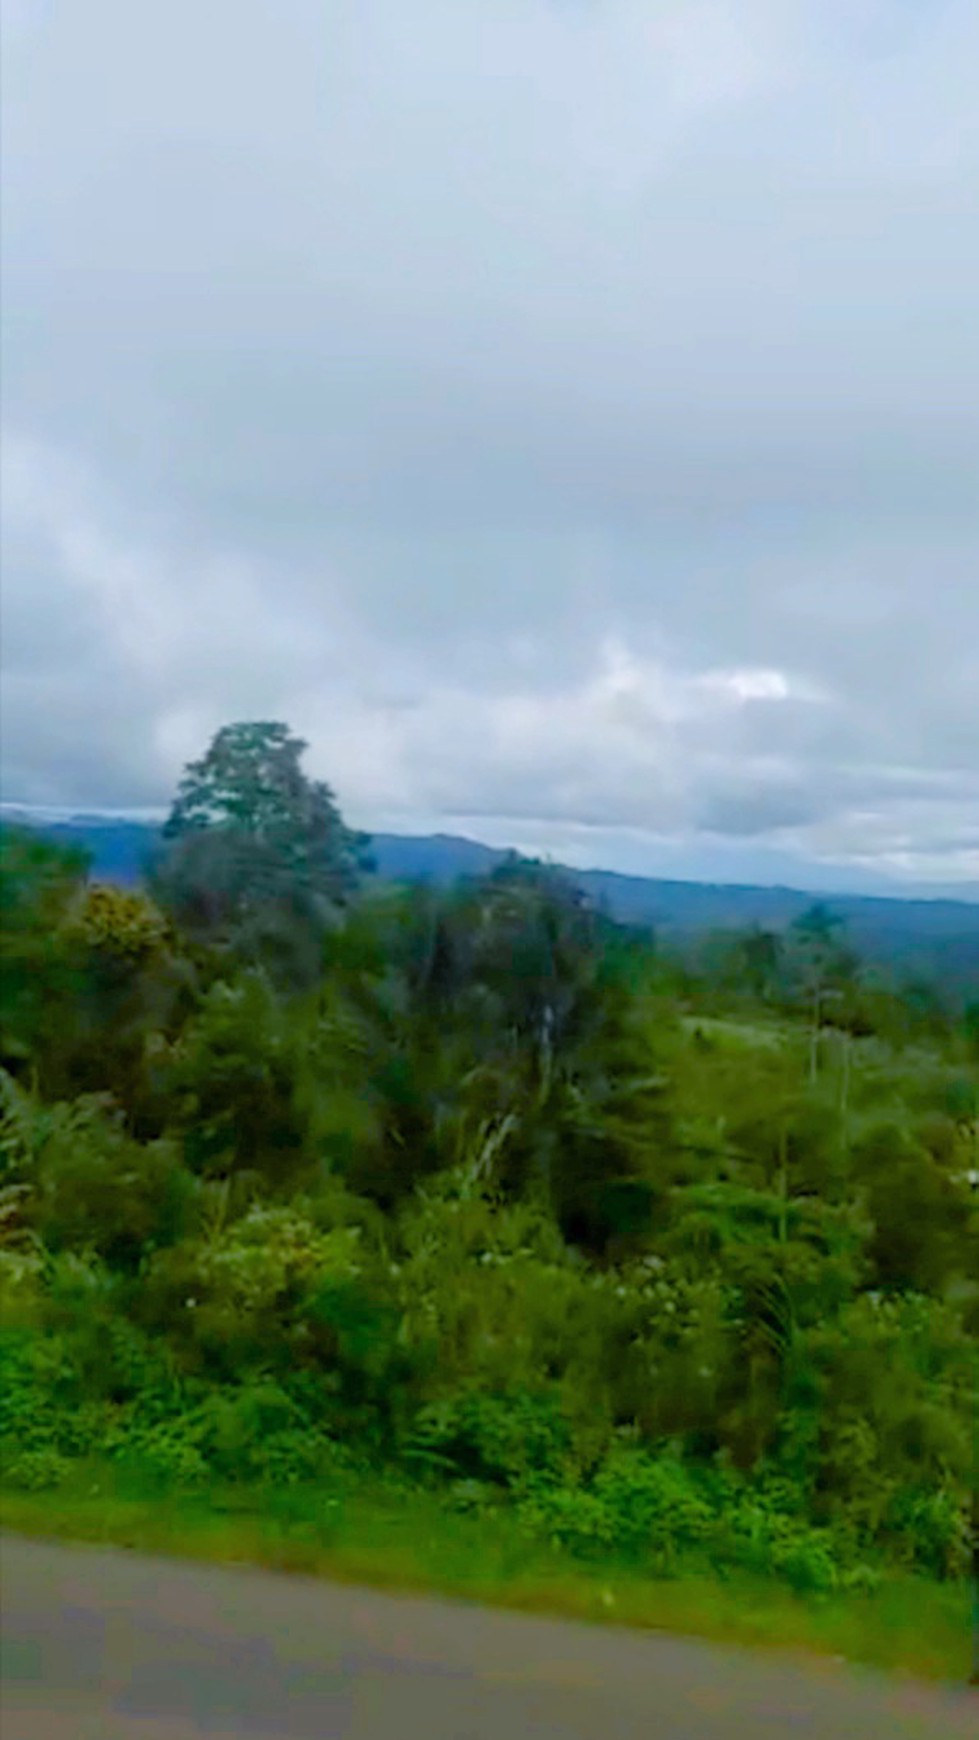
(565, 414)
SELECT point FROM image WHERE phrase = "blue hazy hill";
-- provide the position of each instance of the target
(938, 937)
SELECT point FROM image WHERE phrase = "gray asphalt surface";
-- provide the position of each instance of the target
(100, 1645)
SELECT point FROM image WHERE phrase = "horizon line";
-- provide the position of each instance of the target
(964, 894)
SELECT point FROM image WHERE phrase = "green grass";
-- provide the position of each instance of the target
(366, 1533)
(753, 1035)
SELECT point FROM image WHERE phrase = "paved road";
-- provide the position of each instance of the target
(104, 1646)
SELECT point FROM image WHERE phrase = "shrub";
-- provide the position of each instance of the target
(33, 1470)
(510, 1440)
(930, 1530)
(639, 1507)
(118, 924)
(165, 1453)
(653, 1505)
(570, 1517)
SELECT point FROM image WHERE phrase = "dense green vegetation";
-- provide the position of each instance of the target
(660, 1263)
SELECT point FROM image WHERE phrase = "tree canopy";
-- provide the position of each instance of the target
(662, 1252)
(254, 848)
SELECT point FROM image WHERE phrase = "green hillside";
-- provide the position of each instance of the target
(320, 1196)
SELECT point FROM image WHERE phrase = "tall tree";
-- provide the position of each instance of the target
(828, 968)
(761, 954)
(256, 852)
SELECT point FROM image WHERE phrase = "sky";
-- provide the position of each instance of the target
(563, 413)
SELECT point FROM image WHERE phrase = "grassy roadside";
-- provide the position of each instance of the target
(412, 1542)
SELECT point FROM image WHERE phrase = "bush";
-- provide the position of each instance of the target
(653, 1505)
(570, 1517)
(166, 1454)
(33, 1470)
(508, 1440)
(930, 1530)
(641, 1508)
(806, 1562)
(117, 924)
(88, 1186)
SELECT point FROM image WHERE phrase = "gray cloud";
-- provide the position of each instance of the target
(565, 414)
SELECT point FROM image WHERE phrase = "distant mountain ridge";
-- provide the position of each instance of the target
(938, 937)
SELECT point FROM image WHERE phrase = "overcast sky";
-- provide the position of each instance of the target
(565, 413)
